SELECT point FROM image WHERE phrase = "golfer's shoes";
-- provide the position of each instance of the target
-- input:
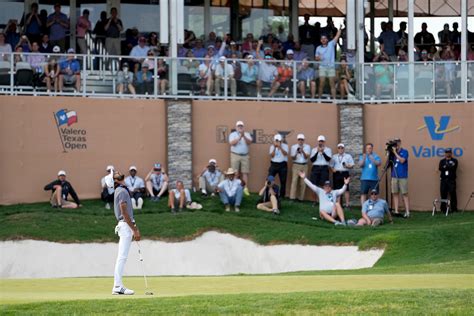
(120, 290)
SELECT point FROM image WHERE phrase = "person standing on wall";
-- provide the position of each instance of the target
(239, 141)
(279, 162)
(400, 177)
(447, 168)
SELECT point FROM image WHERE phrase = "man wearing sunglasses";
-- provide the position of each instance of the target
(374, 210)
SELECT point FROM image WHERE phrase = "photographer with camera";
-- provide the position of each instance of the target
(210, 177)
(369, 162)
(269, 197)
(299, 153)
(279, 161)
(399, 162)
(341, 163)
(320, 157)
(447, 168)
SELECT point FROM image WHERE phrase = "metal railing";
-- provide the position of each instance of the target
(102, 75)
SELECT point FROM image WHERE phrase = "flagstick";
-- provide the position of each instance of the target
(59, 132)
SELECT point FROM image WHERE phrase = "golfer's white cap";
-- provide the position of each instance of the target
(61, 173)
(340, 145)
(109, 167)
(239, 123)
(277, 137)
(212, 161)
(321, 138)
(300, 136)
(132, 168)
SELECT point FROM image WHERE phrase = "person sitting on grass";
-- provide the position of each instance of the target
(180, 198)
(210, 177)
(61, 189)
(329, 208)
(156, 183)
(107, 193)
(269, 197)
(373, 210)
(231, 191)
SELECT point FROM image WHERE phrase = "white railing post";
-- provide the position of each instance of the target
(12, 73)
(295, 81)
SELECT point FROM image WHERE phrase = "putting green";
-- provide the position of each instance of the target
(36, 290)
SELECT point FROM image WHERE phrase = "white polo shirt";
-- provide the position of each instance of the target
(133, 183)
(157, 181)
(300, 157)
(279, 156)
(212, 178)
(338, 159)
(187, 194)
(241, 148)
(230, 187)
(320, 160)
(110, 190)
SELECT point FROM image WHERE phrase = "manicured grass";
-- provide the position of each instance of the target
(421, 244)
(418, 301)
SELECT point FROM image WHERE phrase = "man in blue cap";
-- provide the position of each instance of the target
(269, 197)
(156, 183)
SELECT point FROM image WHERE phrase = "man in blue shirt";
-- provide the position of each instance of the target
(373, 211)
(326, 56)
(58, 24)
(399, 162)
(369, 162)
(70, 72)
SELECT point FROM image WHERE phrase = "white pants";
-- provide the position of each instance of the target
(125, 233)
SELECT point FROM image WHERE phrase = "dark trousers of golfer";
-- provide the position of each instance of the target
(126, 230)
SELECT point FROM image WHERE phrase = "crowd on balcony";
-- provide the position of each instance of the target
(258, 65)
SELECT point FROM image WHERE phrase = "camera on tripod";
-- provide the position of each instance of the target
(390, 145)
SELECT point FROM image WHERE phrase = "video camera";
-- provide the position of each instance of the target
(389, 146)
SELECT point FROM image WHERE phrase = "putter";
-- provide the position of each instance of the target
(147, 292)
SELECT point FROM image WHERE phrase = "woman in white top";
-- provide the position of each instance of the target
(5, 48)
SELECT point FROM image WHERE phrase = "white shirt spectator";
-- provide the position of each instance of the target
(219, 72)
(203, 68)
(241, 148)
(326, 200)
(338, 159)
(102, 183)
(138, 51)
(134, 183)
(279, 157)
(267, 71)
(320, 160)
(299, 156)
(230, 187)
(157, 181)
(212, 177)
(187, 194)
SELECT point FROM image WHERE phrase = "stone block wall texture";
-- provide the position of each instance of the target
(351, 134)
(179, 118)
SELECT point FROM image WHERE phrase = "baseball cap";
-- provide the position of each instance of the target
(448, 150)
(290, 52)
(340, 145)
(212, 161)
(327, 182)
(277, 137)
(300, 136)
(232, 43)
(132, 168)
(374, 191)
(239, 123)
(70, 50)
(321, 138)
(222, 58)
(61, 173)
(109, 167)
(125, 64)
(271, 178)
(157, 166)
(56, 49)
(145, 65)
(210, 47)
(267, 48)
(249, 56)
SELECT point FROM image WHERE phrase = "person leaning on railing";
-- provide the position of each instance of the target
(248, 80)
(70, 72)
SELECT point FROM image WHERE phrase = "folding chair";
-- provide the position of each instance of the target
(437, 202)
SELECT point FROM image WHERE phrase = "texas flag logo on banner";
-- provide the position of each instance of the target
(64, 116)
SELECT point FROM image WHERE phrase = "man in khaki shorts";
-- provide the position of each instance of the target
(60, 190)
(239, 141)
(299, 153)
(399, 162)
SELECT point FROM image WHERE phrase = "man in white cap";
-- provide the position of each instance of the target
(321, 158)
(239, 141)
(209, 178)
(222, 72)
(279, 162)
(126, 229)
(60, 190)
(230, 191)
(136, 187)
(156, 183)
(107, 194)
(299, 153)
(341, 163)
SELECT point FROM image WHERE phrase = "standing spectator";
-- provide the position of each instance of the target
(402, 37)
(289, 43)
(224, 71)
(282, 35)
(125, 80)
(230, 191)
(424, 39)
(448, 58)
(46, 47)
(70, 72)
(388, 41)
(107, 193)
(82, 27)
(306, 36)
(136, 188)
(144, 80)
(156, 183)
(329, 30)
(455, 37)
(99, 29)
(306, 79)
(321, 158)
(283, 79)
(113, 28)
(269, 197)
(209, 178)
(248, 81)
(60, 191)
(444, 36)
(32, 24)
(5, 48)
(299, 153)
(447, 168)
(138, 53)
(11, 34)
(325, 55)
(266, 70)
(341, 163)
(44, 21)
(369, 162)
(374, 210)
(240, 141)
(279, 161)
(399, 161)
(58, 24)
